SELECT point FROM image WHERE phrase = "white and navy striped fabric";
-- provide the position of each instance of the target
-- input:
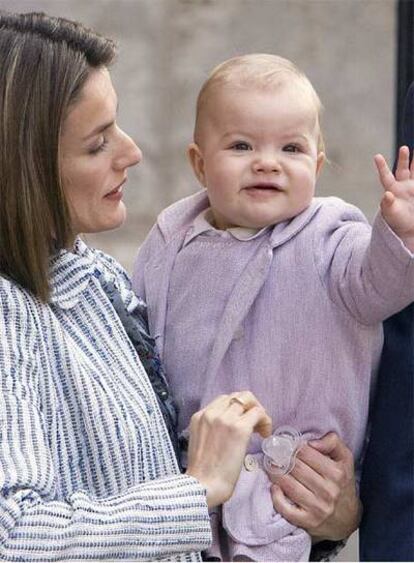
(87, 470)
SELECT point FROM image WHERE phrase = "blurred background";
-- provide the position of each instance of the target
(348, 48)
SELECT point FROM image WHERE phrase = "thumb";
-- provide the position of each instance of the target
(387, 201)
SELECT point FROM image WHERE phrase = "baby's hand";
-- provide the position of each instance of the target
(397, 204)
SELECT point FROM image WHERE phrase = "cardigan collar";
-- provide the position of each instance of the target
(70, 272)
(202, 224)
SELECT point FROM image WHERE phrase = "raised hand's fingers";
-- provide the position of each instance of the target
(386, 176)
(412, 163)
(403, 164)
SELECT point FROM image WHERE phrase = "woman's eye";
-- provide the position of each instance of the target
(241, 146)
(97, 149)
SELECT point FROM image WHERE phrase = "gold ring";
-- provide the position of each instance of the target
(239, 402)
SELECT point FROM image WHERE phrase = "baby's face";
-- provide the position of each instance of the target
(257, 155)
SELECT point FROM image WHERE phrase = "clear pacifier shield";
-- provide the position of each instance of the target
(280, 450)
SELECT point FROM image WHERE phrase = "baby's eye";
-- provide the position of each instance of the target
(241, 146)
(292, 148)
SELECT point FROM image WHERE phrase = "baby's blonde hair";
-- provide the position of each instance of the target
(257, 70)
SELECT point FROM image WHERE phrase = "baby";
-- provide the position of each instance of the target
(253, 283)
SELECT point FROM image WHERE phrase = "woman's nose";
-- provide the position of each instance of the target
(129, 153)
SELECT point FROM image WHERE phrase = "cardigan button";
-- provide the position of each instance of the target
(251, 463)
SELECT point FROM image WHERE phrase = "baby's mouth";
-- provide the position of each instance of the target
(261, 186)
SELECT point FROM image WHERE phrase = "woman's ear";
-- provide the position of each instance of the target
(197, 162)
(320, 161)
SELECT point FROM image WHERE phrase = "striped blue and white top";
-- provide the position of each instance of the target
(87, 470)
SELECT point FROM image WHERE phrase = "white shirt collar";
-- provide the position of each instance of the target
(202, 224)
(70, 272)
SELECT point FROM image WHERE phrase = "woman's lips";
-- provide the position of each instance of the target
(117, 193)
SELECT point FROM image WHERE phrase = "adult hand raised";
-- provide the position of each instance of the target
(219, 435)
(322, 488)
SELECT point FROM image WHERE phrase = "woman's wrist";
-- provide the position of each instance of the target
(215, 492)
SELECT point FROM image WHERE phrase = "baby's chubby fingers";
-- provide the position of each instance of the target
(402, 171)
(386, 203)
(386, 177)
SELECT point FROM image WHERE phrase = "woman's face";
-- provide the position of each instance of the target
(95, 156)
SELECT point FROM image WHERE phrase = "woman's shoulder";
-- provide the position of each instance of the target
(19, 309)
(12, 291)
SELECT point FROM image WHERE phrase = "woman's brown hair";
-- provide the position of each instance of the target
(44, 62)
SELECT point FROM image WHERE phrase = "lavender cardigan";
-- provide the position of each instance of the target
(301, 328)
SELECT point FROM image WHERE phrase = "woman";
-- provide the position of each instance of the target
(87, 466)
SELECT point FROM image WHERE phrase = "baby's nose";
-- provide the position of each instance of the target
(267, 163)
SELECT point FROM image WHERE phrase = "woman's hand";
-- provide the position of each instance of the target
(219, 435)
(322, 488)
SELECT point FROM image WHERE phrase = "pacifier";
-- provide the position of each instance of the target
(280, 450)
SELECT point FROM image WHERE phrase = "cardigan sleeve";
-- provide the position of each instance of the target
(163, 518)
(368, 272)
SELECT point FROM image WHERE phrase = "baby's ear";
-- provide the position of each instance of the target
(197, 162)
(320, 161)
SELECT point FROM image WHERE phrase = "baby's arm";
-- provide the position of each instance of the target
(368, 273)
(397, 204)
